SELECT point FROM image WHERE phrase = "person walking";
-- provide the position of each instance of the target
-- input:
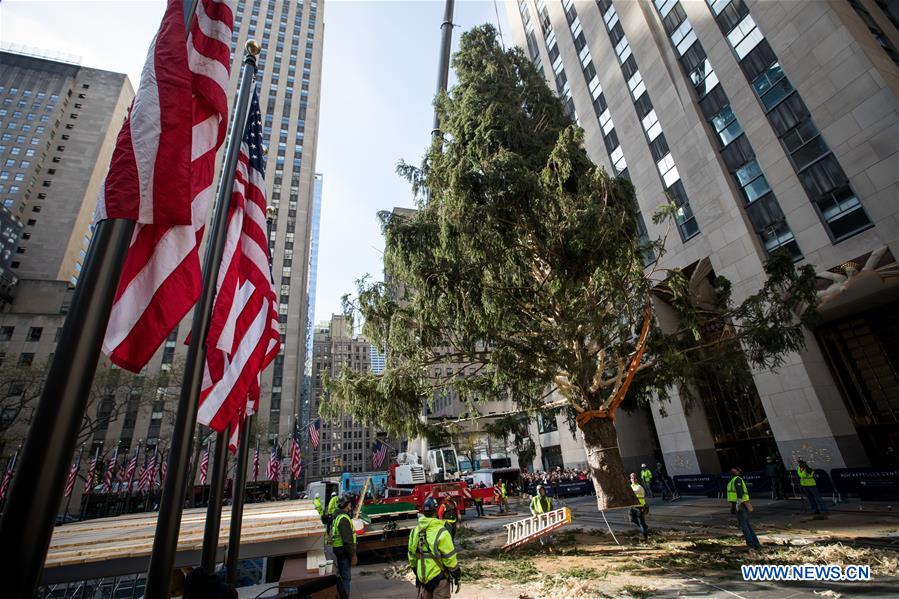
(540, 504)
(738, 497)
(810, 488)
(432, 555)
(646, 477)
(317, 503)
(449, 514)
(479, 502)
(775, 477)
(638, 512)
(343, 542)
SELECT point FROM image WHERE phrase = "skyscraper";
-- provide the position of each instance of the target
(289, 84)
(771, 125)
(305, 412)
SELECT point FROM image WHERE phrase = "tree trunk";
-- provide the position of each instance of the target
(613, 488)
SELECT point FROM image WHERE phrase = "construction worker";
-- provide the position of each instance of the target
(317, 503)
(810, 488)
(432, 555)
(540, 504)
(738, 497)
(449, 514)
(503, 496)
(646, 477)
(332, 508)
(775, 478)
(343, 541)
(479, 502)
(638, 512)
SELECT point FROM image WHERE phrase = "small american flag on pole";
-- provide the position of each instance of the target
(256, 462)
(378, 453)
(315, 432)
(148, 476)
(274, 463)
(296, 463)
(91, 470)
(204, 466)
(110, 471)
(7, 476)
(163, 469)
(73, 474)
(132, 466)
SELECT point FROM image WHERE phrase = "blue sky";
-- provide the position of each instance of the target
(378, 80)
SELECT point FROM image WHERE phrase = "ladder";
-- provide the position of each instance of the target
(530, 529)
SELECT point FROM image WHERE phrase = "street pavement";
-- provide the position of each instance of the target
(777, 522)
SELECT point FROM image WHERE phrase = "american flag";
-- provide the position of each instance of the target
(296, 463)
(91, 471)
(256, 462)
(163, 469)
(110, 471)
(73, 473)
(204, 465)
(274, 463)
(148, 476)
(378, 453)
(7, 476)
(244, 334)
(162, 176)
(132, 466)
(314, 430)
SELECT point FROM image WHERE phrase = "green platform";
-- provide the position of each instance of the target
(374, 509)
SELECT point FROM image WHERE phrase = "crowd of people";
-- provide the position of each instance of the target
(556, 475)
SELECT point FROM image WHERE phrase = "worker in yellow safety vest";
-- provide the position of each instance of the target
(432, 555)
(343, 541)
(810, 488)
(541, 504)
(738, 497)
(639, 511)
(317, 503)
(646, 477)
(332, 508)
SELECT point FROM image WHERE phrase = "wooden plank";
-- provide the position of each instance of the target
(131, 536)
(313, 559)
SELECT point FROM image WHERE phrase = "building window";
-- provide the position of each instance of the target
(6, 333)
(26, 358)
(34, 334)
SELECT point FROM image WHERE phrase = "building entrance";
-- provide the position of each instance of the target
(863, 354)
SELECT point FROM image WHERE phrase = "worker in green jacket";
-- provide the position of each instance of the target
(810, 488)
(738, 497)
(432, 555)
(541, 504)
(332, 508)
(646, 477)
(638, 512)
(343, 541)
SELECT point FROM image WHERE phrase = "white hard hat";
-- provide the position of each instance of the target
(317, 496)
(541, 487)
(643, 465)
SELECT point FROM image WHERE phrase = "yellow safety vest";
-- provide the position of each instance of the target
(437, 554)
(332, 505)
(806, 477)
(732, 491)
(317, 502)
(336, 539)
(537, 504)
(638, 490)
(502, 489)
(646, 475)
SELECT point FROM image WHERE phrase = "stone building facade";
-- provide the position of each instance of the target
(771, 124)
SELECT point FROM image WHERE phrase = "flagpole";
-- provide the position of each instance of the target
(255, 458)
(237, 497)
(171, 506)
(214, 507)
